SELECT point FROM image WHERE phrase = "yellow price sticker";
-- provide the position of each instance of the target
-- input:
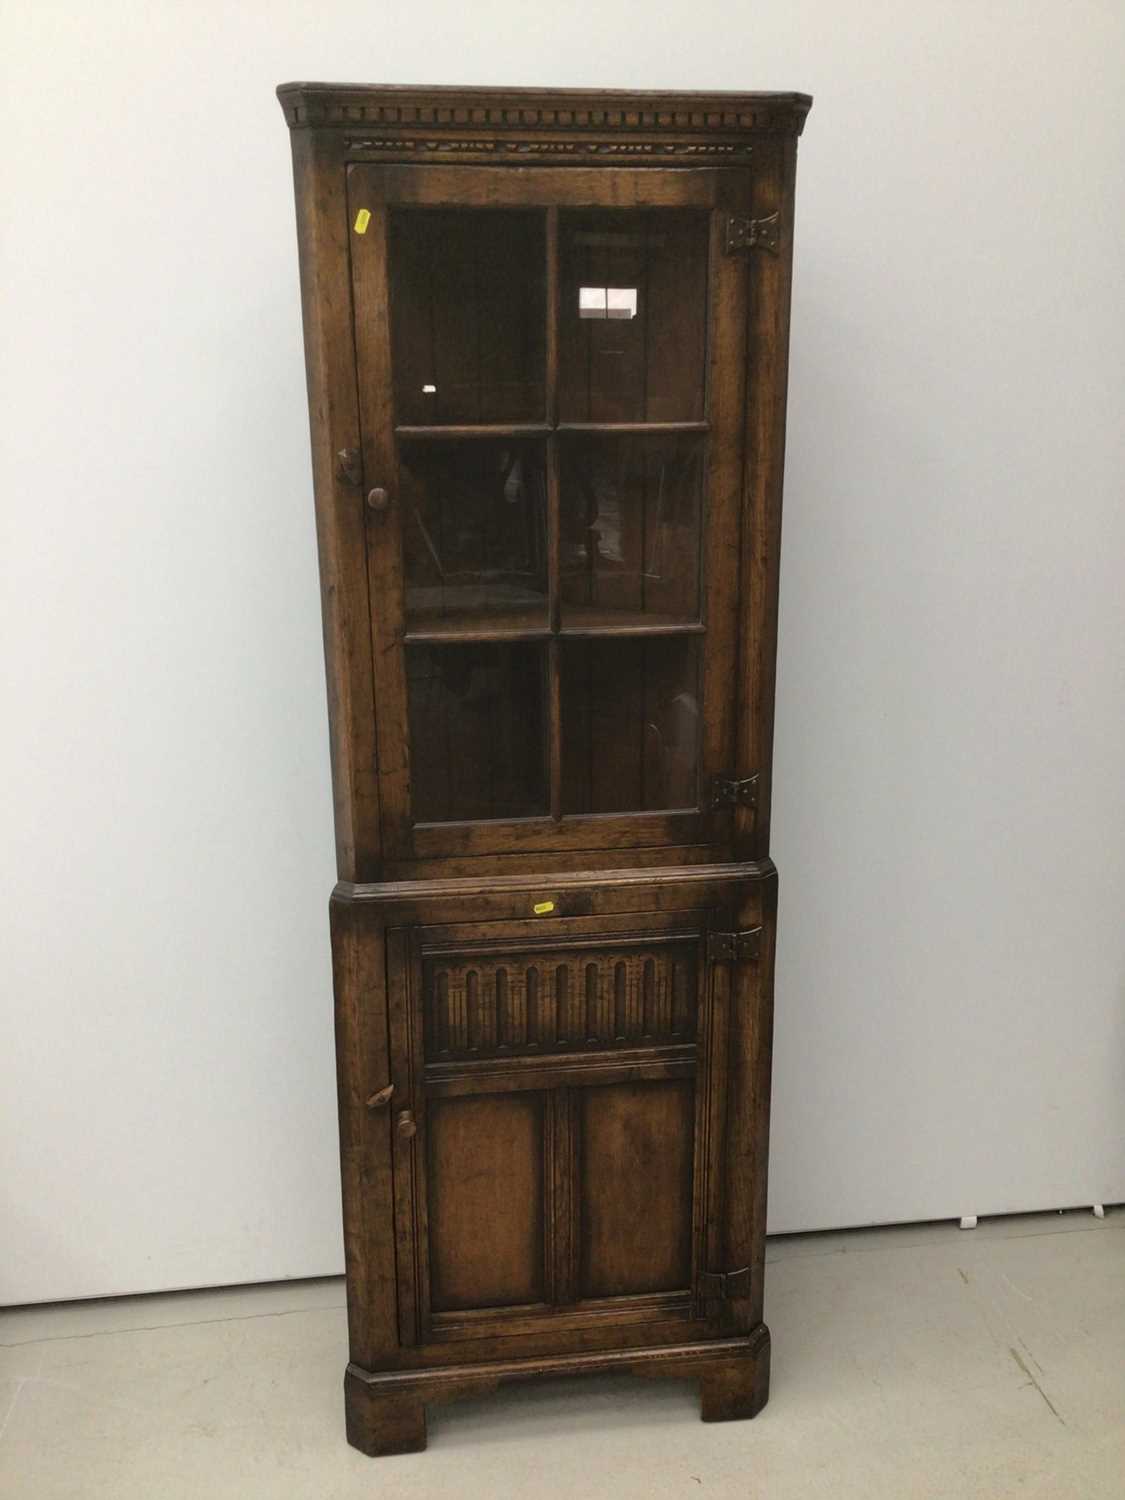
(541, 908)
(362, 219)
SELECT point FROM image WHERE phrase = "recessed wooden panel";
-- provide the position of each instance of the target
(635, 1147)
(485, 1196)
(572, 1000)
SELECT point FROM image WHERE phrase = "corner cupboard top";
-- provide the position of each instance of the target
(566, 123)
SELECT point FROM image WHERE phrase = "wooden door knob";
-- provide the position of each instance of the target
(378, 498)
(407, 1125)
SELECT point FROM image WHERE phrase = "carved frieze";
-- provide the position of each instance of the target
(567, 1001)
(408, 118)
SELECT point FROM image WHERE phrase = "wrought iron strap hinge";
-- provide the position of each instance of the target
(753, 234)
(727, 791)
(734, 947)
(719, 1286)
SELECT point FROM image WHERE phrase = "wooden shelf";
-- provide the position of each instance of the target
(485, 625)
(578, 623)
(468, 433)
(494, 430)
(590, 619)
(632, 429)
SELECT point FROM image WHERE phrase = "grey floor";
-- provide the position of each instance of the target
(917, 1361)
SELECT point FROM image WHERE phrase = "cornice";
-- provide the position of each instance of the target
(542, 121)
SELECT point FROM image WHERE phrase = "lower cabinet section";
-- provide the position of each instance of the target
(559, 1151)
(554, 1137)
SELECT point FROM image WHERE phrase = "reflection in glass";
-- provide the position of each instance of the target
(607, 302)
(630, 724)
(468, 309)
(630, 528)
(477, 746)
(632, 315)
(474, 533)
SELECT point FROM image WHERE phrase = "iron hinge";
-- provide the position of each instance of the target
(727, 791)
(349, 462)
(734, 947)
(753, 234)
(720, 1286)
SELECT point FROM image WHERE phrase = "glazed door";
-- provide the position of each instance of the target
(561, 1091)
(551, 366)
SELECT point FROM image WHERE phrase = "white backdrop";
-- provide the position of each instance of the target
(950, 785)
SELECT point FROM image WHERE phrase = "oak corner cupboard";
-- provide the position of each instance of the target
(546, 342)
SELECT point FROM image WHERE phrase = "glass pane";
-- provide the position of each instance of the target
(630, 723)
(632, 315)
(477, 746)
(468, 307)
(629, 529)
(474, 533)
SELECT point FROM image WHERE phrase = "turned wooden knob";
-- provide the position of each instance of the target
(407, 1125)
(377, 498)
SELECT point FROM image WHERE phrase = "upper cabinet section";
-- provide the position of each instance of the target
(546, 335)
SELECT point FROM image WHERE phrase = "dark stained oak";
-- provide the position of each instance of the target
(320, 191)
(547, 380)
(635, 1225)
(582, 187)
(485, 1168)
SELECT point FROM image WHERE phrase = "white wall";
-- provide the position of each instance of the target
(951, 728)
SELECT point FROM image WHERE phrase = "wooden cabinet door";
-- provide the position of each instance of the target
(551, 368)
(558, 1154)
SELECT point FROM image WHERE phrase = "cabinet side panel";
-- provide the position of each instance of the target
(334, 426)
(770, 287)
(362, 1069)
(746, 1138)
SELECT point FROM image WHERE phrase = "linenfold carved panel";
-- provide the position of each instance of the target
(565, 1000)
